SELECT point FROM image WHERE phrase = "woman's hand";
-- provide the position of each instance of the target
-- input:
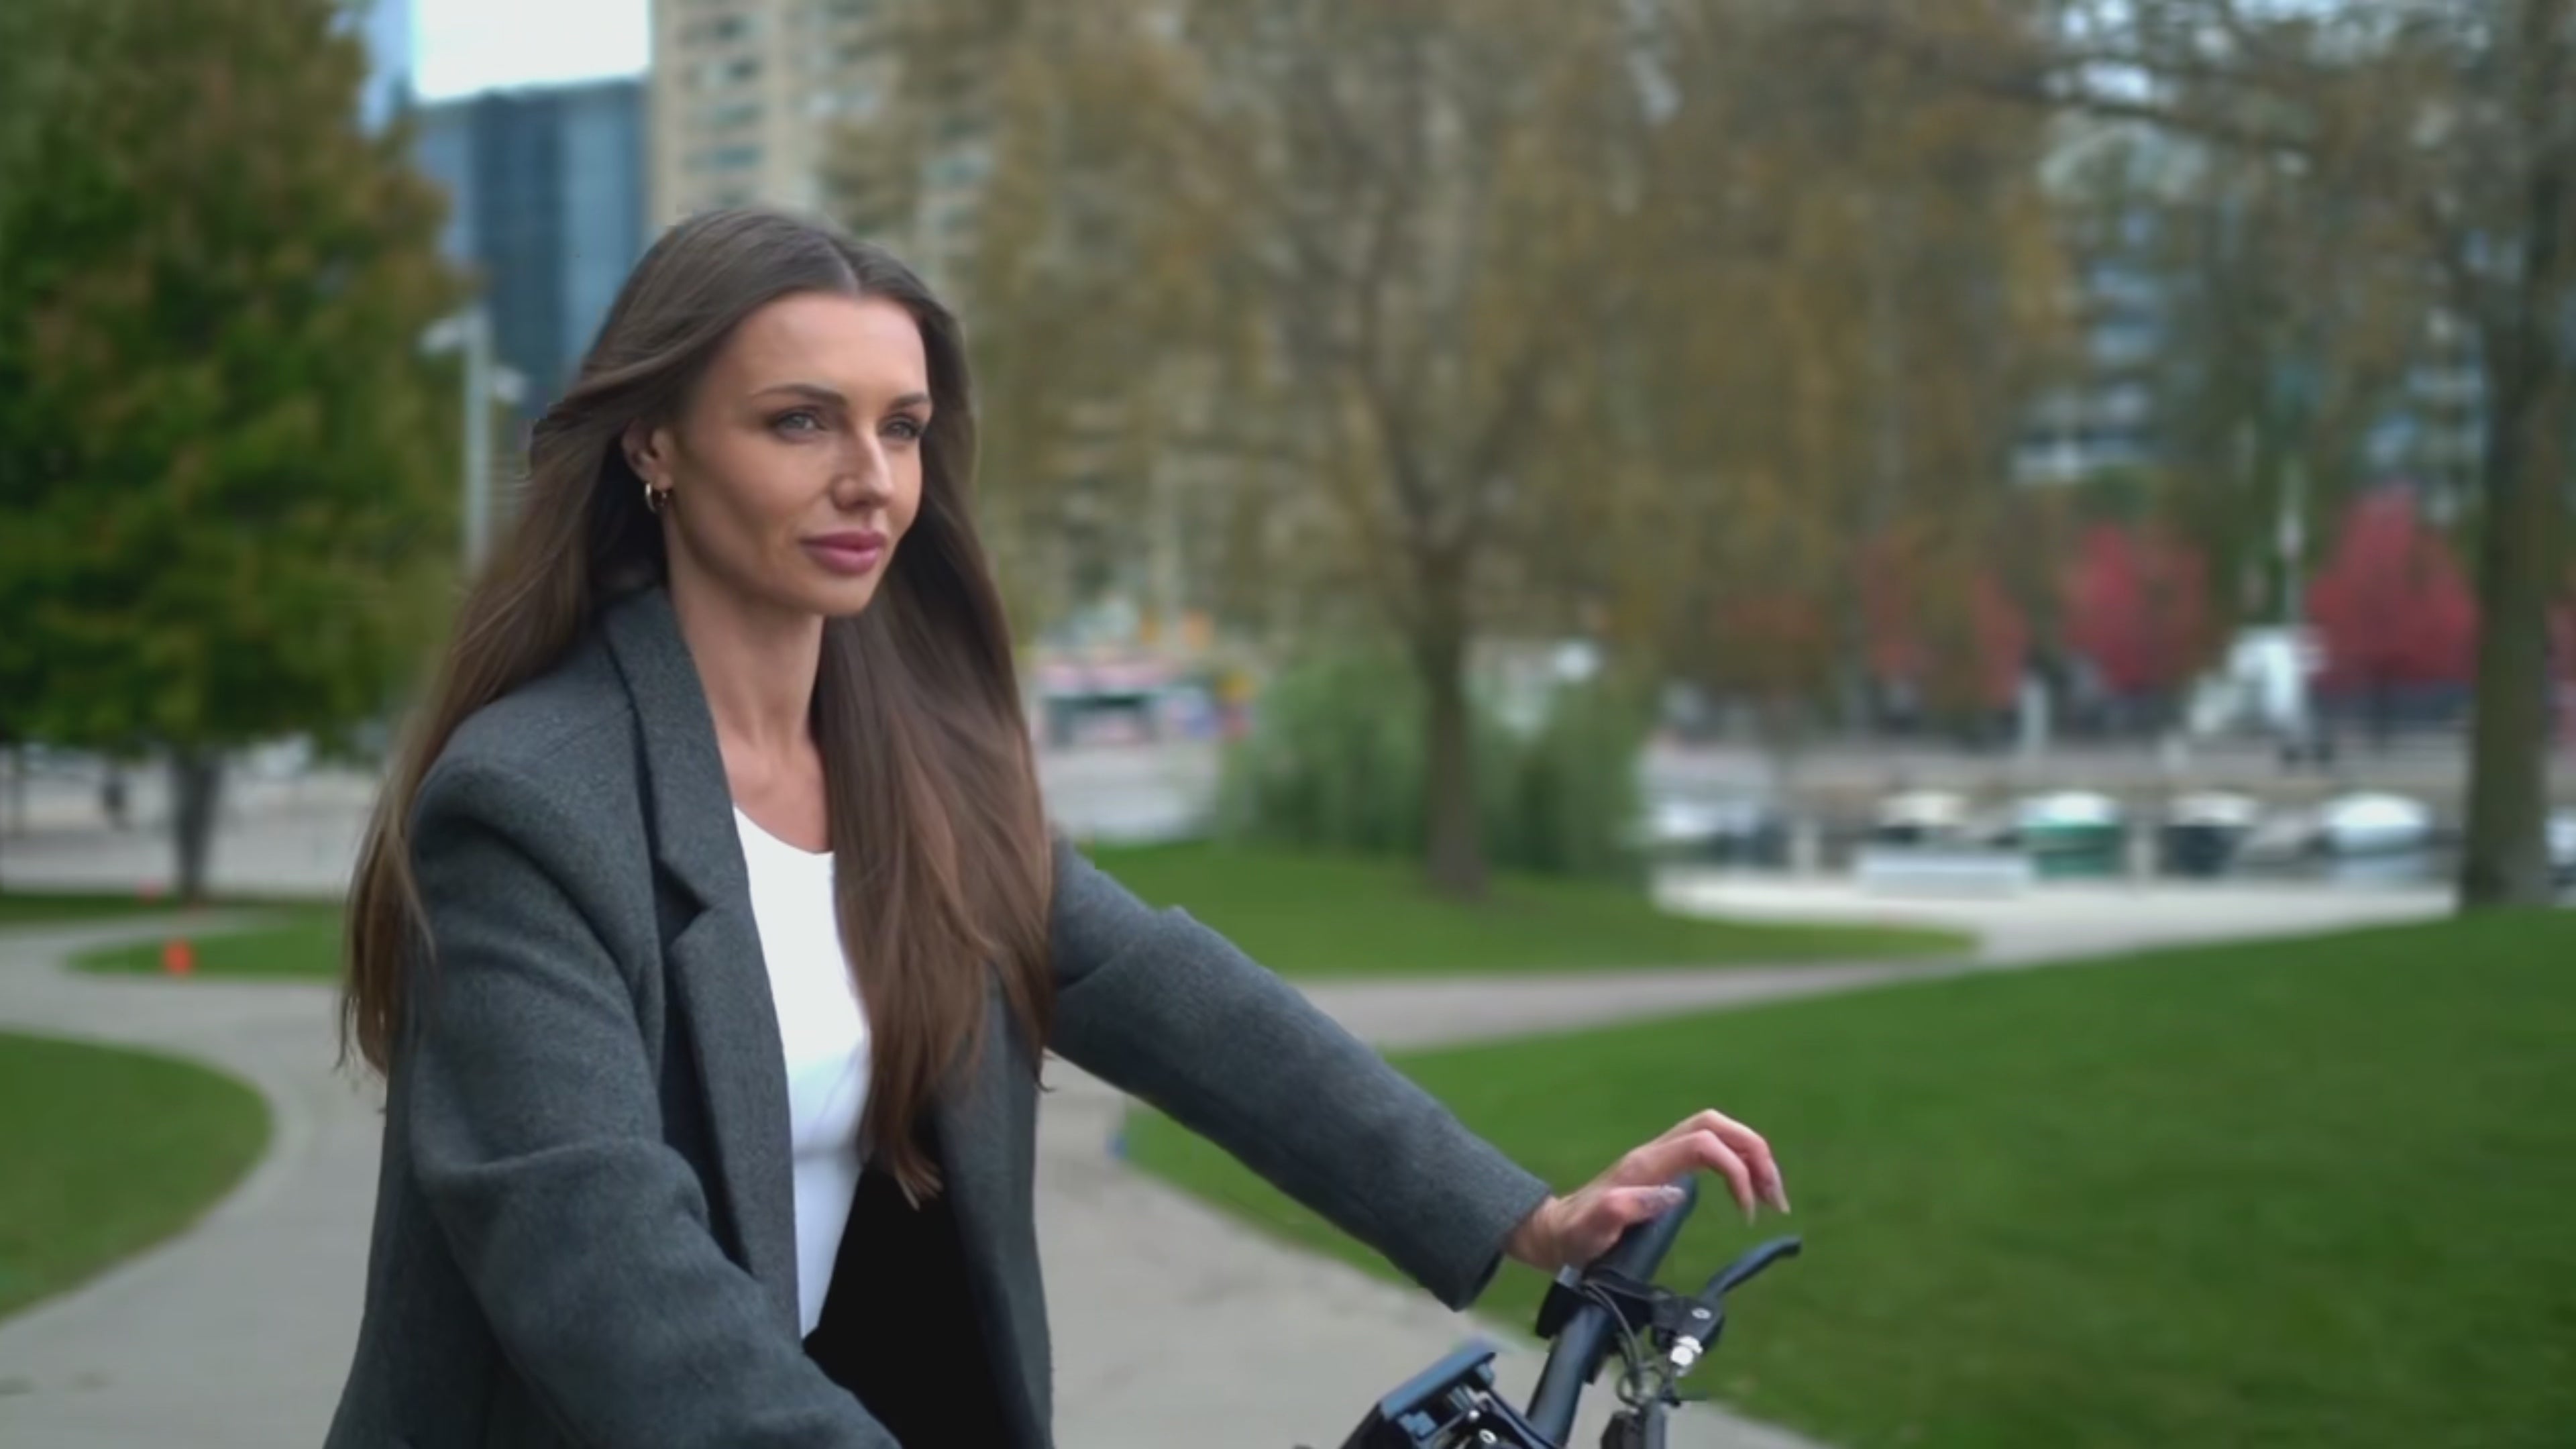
(1572, 1231)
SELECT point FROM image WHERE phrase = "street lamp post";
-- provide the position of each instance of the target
(485, 382)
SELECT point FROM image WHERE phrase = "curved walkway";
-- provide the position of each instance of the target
(235, 1332)
(1169, 1318)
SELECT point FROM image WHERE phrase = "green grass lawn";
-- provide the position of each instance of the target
(1301, 915)
(1323, 915)
(107, 1153)
(45, 908)
(297, 942)
(2311, 1194)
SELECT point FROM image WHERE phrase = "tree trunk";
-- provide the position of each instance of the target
(1451, 816)
(2505, 857)
(16, 763)
(196, 783)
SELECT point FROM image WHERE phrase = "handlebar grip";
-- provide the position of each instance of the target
(1585, 1339)
(1642, 1249)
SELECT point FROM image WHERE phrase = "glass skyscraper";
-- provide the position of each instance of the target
(546, 188)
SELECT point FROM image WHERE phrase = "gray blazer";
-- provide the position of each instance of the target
(583, 1229)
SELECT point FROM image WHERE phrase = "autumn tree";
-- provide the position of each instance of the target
(2138, 608)
(1345, 246)
(2392, 608)
(2453, 128)
(1848, 293)
(222, 457)
(1476, 319)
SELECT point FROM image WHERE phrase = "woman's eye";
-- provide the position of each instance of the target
(803, 420)
(907, 430)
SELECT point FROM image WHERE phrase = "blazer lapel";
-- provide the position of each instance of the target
(717, 973)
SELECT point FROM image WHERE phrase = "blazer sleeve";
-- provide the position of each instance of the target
(533, 1123)
(1167, 1010)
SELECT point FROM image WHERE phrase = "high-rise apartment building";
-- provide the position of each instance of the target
(546, 208)
(757, 102)
(750, 95)
(2131, 296)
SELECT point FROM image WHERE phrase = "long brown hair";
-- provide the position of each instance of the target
(933, 801)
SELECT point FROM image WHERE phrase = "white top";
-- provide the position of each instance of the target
(825, 1033)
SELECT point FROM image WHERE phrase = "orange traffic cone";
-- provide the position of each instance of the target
(178, 958)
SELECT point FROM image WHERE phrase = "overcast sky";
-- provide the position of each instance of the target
(473, 45)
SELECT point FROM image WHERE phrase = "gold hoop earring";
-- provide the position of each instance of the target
(654, 497)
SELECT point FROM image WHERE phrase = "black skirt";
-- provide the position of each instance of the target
(899, 1328)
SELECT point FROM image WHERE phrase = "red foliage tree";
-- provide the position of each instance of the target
(2137, 607)
(2391, 604)
(1959, 642)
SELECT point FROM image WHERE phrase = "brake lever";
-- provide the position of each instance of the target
(1702, 1319)
(1743, 1270)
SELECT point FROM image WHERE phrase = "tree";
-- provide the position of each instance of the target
(1365, 233)
(2452, 126)
(2391, 606)
(2283, 310)
(224, 456)
(1954, 650)
(2137, 608)
(1792, 396)
(1483, 318)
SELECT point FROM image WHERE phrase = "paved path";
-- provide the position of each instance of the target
(1173, 1325)
(236, 1333)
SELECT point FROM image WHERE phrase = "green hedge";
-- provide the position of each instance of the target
(1336, 762)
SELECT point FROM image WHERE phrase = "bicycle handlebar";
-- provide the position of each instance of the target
(1585, 1339)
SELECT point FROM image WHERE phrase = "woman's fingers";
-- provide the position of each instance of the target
(1609, 1212)
(1670, 1157)
(1747, 1143)
(1641, 1185)
(1629, 1206)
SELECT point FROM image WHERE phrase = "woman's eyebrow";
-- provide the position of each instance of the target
(813, 391)
(817, 392)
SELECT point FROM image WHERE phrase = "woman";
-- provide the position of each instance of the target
(710, 935)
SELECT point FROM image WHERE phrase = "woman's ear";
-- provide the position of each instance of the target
(647, 449)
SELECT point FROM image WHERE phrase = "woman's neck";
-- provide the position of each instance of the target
(758, 668)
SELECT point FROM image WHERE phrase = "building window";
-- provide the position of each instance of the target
(961, 167)
(726, 158)
(723, 29)
(2123, 340)
(730, 114)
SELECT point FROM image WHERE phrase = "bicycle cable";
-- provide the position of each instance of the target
(1636, 1365)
